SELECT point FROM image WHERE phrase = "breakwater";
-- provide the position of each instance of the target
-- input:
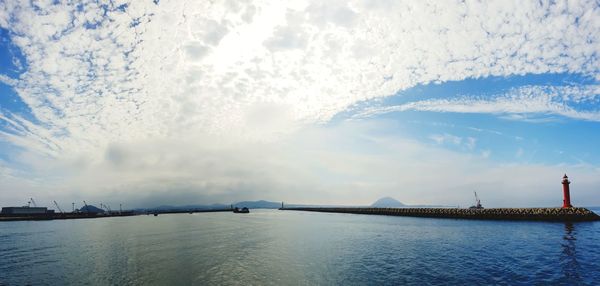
(535, 214)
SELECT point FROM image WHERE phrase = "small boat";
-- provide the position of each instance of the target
(243, 210)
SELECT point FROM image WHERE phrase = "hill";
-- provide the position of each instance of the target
(91, 209)
(262, 204)
(387, 202)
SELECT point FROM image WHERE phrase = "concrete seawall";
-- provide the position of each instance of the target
(535, 214)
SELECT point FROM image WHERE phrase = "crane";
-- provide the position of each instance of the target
(32, 202)
(105, 206)
(58, 207)
(86, 207)
(477, 202)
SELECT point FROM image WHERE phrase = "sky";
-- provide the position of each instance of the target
(147, 103)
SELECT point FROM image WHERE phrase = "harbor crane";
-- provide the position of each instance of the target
(105, 206)
(477, 202)
(31, 201)
(58, 207)
(86, 207)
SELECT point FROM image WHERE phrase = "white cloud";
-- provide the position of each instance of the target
(486, 153)
(229, 75)
(446, 138)
(471, 142)
(523, 103)
(7, 80)
(520, 152)
(467, 143)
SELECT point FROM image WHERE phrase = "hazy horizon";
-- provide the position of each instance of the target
(336, 103)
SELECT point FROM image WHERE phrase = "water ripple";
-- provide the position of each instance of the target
(295, 248)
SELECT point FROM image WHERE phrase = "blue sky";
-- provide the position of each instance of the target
(536, 138)
(11, 65)
(307, 102)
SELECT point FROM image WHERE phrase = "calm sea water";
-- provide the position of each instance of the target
(269, 247)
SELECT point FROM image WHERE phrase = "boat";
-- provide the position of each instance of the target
(243, 210)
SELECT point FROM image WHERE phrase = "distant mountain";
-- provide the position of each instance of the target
(258, 204)
(262, 204)
(91, 209)
(387, 202)
(190, 207)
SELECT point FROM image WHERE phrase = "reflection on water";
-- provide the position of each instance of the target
(570, 266)
(268, 247)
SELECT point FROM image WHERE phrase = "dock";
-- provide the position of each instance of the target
(573, 214)
(58, 216)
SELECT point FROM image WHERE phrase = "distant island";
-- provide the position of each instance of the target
(387, 202)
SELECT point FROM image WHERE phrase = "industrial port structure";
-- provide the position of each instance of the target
(35, 212)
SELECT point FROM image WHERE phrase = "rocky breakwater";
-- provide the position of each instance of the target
(535, 214)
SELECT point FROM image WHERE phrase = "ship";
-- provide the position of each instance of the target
(243, 210)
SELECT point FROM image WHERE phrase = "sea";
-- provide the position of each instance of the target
(271, 247)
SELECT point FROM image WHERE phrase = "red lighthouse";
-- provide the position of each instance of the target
(566, 192)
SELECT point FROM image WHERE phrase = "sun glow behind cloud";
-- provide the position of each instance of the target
(186, 94)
